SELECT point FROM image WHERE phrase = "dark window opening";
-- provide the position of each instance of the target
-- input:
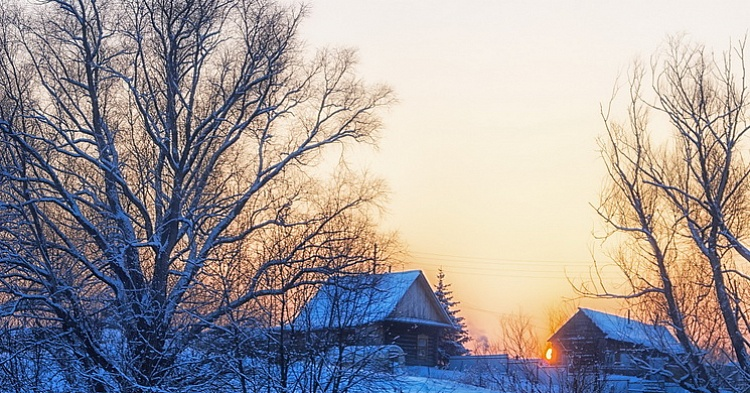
(422, 346)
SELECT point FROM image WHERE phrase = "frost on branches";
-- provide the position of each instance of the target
(160, 182)
(452, 342)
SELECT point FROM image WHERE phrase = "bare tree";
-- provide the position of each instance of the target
(302, 358)
(147, 148)
(680, 208)
(519, 338)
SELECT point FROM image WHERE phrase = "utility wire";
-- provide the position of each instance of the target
(462, 257)
(512, 271)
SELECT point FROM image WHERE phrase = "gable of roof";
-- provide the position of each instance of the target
(629, 331)
(420, 305)
(357, 300)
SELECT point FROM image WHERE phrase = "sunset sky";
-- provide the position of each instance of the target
(491, 153)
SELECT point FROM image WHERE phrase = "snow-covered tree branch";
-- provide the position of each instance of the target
(147, 148)
(679, 207)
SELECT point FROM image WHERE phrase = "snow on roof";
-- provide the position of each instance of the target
(347, 301)
(626, 330)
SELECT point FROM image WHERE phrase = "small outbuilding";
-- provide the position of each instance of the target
(380, 309)
(596, 341)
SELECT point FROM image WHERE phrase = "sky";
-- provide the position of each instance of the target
(490, 153)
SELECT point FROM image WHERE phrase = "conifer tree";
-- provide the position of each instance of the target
(451, 342)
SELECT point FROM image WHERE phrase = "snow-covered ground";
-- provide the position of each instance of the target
(410, 384)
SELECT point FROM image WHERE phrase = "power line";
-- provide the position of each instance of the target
(500, 315)
(464, 305)
(512, 271)
(516, 268)
(463, 257)
(531, 276)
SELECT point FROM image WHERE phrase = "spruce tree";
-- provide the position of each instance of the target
(451, 342)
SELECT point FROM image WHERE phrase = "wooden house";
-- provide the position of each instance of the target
(380, 309)
(600, 342)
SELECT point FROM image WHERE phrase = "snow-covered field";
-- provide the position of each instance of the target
(409, 384)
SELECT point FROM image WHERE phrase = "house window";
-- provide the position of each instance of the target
(422, 346)
(609, 358)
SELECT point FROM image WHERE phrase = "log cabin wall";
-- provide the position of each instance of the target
(419, 342)
(580, 342)
(583, 346)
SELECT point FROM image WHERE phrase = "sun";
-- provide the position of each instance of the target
(548, 354)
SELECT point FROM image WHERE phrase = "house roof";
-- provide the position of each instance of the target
(356, 300)
(634, 332)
